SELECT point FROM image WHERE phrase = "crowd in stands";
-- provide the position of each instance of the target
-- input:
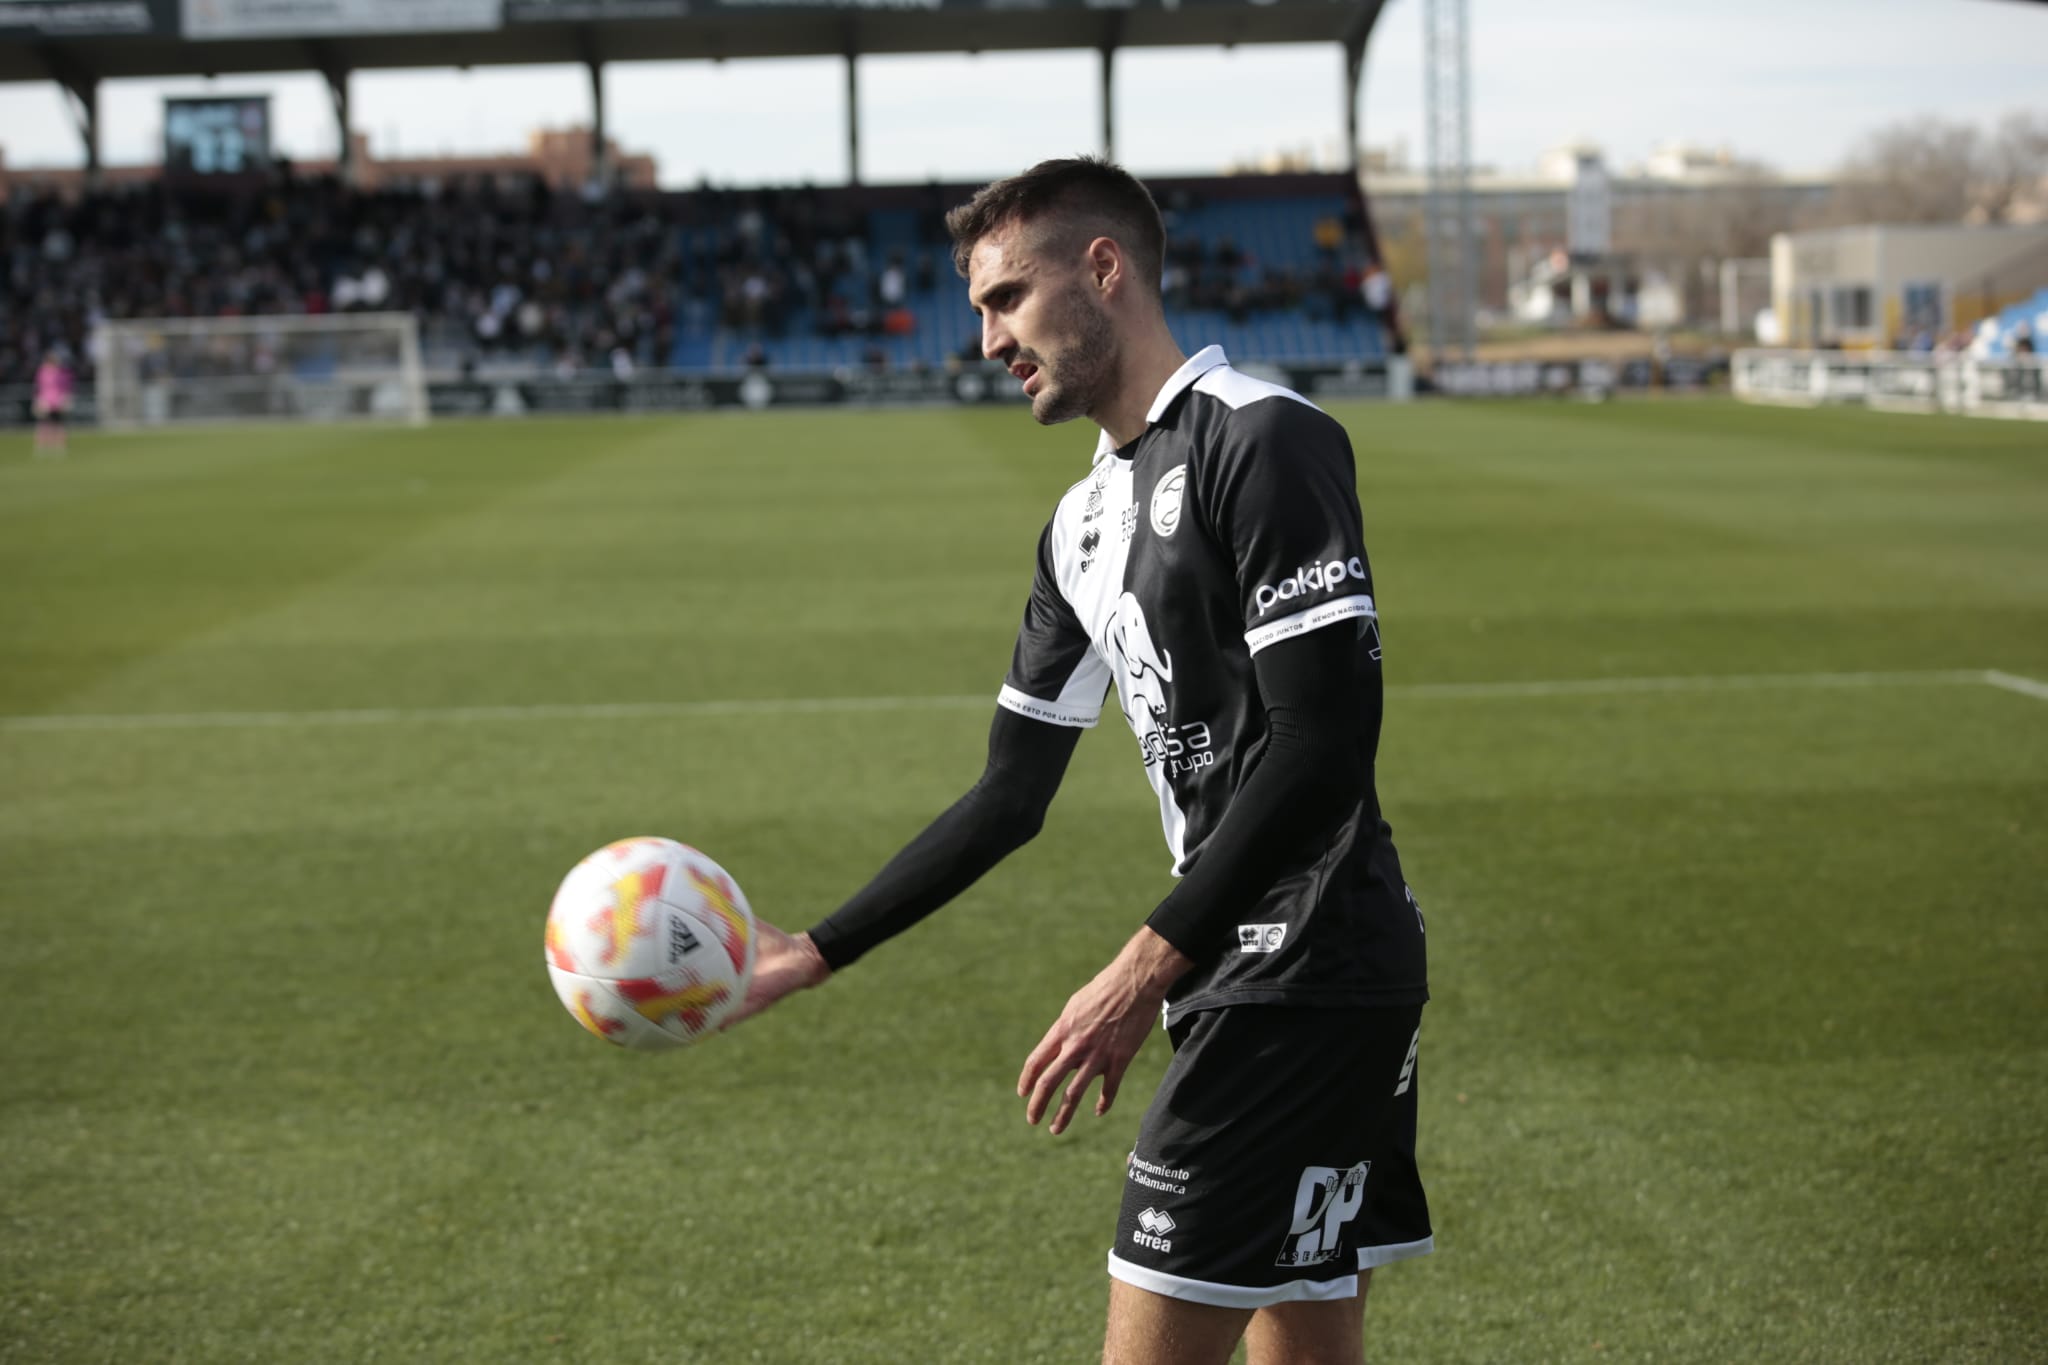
(526, 268)
(775, 259)
(519, 276)
(1341, 279)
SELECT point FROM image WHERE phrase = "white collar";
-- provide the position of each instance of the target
(1196, 365)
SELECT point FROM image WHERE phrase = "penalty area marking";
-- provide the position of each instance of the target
(801, 706)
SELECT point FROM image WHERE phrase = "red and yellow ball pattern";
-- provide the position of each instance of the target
(649, 944)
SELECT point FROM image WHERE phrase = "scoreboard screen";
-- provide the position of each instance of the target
(217, 136)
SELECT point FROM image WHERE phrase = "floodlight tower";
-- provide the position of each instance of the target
(1447, 204)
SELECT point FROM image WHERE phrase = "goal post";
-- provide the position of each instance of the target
(328, 367)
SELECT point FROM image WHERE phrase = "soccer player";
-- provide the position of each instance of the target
(1212, 566)
(51, 402)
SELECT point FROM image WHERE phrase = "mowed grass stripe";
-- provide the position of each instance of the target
(798, 706)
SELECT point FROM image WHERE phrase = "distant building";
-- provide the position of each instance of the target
(1683, 163)
(1891, 287)
(559, 157)
(1665, 214)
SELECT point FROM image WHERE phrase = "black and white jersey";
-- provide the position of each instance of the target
(1231, 524)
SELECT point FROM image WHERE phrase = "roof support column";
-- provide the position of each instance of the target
(852, 119)
(84, 89)
(346, 166)
(600, 145)
(1354, 76)
(1108, 51)
(86, 114)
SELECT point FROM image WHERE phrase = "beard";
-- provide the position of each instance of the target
(1083, 369)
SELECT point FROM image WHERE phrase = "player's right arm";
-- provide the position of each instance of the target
(1001, 812)
(1054, 690)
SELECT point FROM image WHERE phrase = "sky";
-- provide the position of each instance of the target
(1793, 83)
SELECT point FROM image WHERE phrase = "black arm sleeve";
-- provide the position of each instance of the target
(1000, 813)
(1323, 696)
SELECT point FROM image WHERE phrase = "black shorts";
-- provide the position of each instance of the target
(1278, 1158)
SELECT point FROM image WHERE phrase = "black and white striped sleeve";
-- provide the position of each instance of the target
(1055, 674)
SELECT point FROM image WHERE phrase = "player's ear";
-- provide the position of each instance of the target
(1105, 263)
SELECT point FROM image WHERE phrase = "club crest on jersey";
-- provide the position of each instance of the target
(1166, 501)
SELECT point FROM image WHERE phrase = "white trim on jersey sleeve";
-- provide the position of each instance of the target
(1302, 622)
(1074, 714)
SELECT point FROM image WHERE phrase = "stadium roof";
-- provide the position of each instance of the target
(82, 41)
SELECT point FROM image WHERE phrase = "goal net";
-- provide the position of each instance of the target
(326, 368)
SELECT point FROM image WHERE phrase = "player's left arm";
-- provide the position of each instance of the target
(1320, 723)
(1322, 695)
(1282, 498)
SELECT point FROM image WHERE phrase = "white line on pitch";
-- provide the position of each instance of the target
(392, 715)
(2013, 682)
(785, 706)
(1704, 682)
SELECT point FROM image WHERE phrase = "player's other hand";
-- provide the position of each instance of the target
(783, 965)
(1100, 1030)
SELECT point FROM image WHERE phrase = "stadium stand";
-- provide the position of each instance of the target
(1999, 337)
(508, 276)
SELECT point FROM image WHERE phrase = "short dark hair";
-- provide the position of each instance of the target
(1086, 194)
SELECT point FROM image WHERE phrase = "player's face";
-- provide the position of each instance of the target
(1042, 321)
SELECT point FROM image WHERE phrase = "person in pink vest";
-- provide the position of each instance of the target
(52, 401)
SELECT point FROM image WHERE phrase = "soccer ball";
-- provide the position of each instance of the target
(650, 944)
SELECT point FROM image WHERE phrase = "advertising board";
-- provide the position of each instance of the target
(84, 18)
(231, 19)
(2015, 386)
(585, 11)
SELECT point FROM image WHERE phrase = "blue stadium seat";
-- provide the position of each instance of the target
(1998, 334)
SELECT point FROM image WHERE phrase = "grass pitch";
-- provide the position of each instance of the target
(1739, 1050)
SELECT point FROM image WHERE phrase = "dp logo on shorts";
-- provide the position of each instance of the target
(1324, 1202)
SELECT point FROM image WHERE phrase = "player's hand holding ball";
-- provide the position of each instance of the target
(784, 964)
(651, 945)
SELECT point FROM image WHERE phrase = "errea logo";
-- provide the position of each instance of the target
(1308, 579)
(1260, 938)
(1152, 1228)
